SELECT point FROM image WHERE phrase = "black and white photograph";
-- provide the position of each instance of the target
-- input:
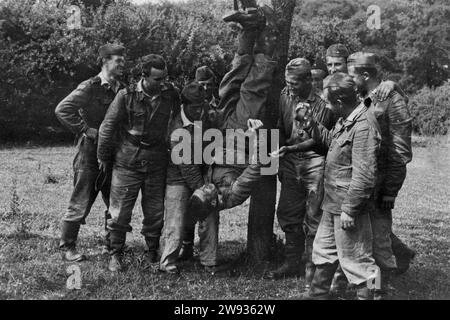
(228, 156)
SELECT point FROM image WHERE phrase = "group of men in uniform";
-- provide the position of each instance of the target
(343, 155)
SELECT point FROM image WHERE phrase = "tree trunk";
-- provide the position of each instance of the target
(260, 238)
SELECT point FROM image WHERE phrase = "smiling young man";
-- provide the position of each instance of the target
(141, 117)
(300, 173)
(82, 111)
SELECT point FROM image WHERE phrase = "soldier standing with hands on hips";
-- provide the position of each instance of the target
(82, 112)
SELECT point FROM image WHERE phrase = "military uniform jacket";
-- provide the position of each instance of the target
(142, 123)
(395, 123)
(86, 106)
(188, 173)
(286, 124)
(351, 164)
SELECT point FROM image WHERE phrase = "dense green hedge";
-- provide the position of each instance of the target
(431, 110)
(42, 61)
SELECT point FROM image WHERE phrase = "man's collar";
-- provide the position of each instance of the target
(355, 113)
(184, 119)
(140, 88)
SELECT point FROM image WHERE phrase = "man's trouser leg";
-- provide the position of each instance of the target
(208, 232)
(291, 213)
(353, 249)
(176, 205)
(403, 254)
(381, 220)
(355, 252)
(84, 193)
(125, 186)
(325, 258)
(188, 234)
(241, 189)
(311, 173)
(153, 192)
(253, 95)
(230, 86)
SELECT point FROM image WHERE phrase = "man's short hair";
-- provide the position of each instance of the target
(340, 86)
(364, 62)
(152, 61)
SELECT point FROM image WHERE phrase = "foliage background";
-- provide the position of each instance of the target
(41, 61)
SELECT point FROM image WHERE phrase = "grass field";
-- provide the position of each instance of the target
(35, 185)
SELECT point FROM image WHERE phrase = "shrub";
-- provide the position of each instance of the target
(431, 110)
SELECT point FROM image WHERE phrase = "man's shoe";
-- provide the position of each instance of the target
(253, 19)
(364, 293)
(216, 268)
(151, 256)
(310, 268)
(308, 296)
(320, 285)
(115, 264)
(286, 270)
(404, 260)
(72, 255)
(186, 252)
(172, 270)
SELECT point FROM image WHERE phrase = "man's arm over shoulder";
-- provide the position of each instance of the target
(67, 111)
(366, 143)
(115, 114)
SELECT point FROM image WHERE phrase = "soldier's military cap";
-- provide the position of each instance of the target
(362, 59)
(298, 67)
(318, 73)
(193, 92)
(111, 49)
(339, 80)
(319, 65)
(204, 73)
(337, 50)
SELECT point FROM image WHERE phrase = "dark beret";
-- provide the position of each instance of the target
(362, 59)
(111, 49)
(337, 50)
(193, 92)
(204, 73)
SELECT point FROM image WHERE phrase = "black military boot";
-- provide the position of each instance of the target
(151, 255)
(69, 235)
(383, 292)
(321, 283)
(117, 242)
(339, 284)
(115, 263)
(106, 245)
(186, 251)
(310, 268)
(403, 255)
(293, 254)
(363, 292)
